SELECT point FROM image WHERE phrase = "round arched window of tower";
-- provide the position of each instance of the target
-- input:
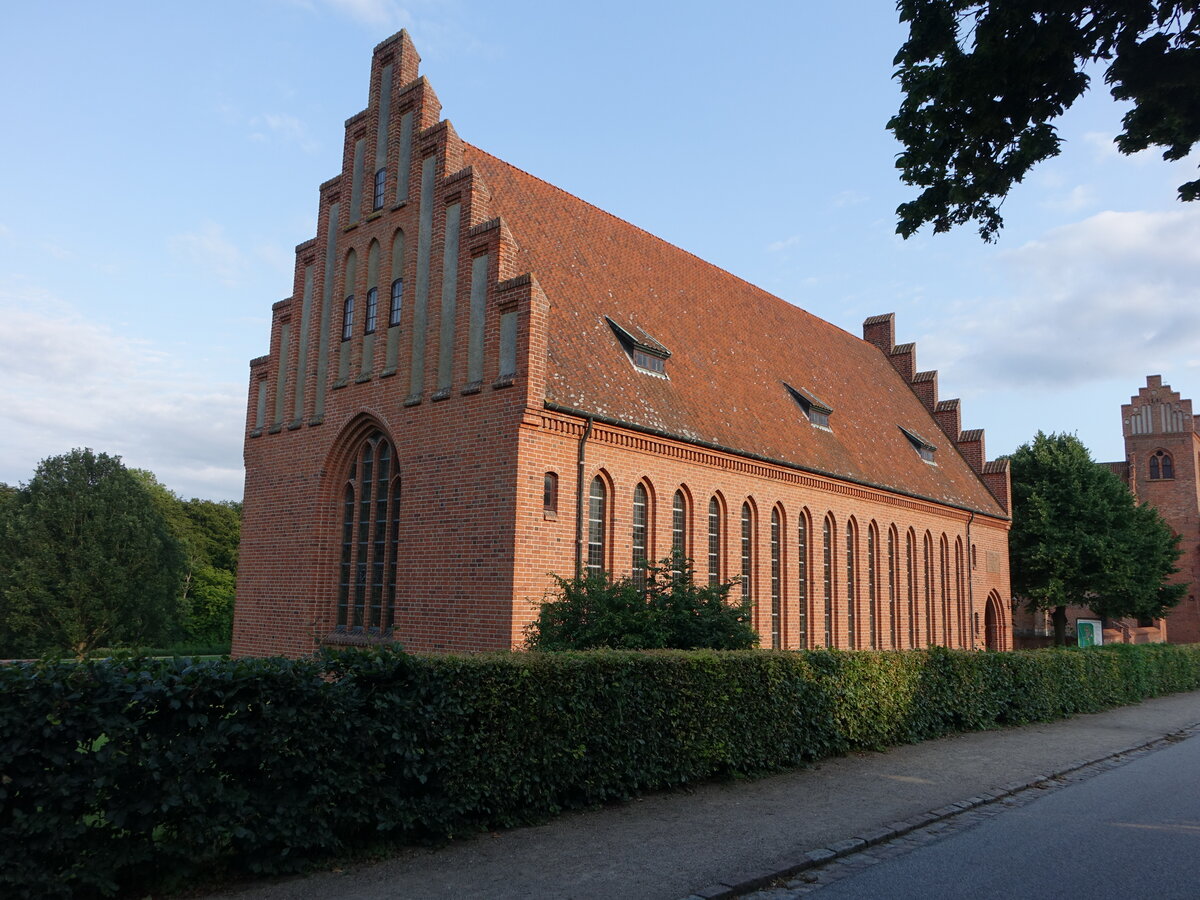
(1161, 466)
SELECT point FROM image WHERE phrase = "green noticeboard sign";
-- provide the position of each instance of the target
(1088, 633)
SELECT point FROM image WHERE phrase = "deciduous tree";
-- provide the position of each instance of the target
(1079, 538)
(984, 80)
(88, 560)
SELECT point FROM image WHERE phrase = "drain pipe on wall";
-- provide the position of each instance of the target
(587, 432)
(971, 585)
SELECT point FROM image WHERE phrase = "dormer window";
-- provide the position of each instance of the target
(814, 410)
(924, 449)
(646, 354)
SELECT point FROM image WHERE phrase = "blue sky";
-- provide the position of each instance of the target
(161, 162)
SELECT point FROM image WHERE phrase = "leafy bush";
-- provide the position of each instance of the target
(142, 775)
(663, 609)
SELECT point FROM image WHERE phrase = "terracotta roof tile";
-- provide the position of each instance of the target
(733, 347)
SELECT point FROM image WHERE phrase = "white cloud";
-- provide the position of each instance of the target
(794, 241)
(208, 248)
(1104, 148)
(1078, 198)
(69, 382)
(285, 127)
(1114, 295)
(850, 198)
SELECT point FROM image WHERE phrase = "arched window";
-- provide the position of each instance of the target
(802, 576)
(679, 524)
(893, 569)
(827, 577)
(597, 524)
(349, 277)
(872, 585)
(370, 539)
(550, 493)
(964, 625)
(747, 552)
(371, 317)
(641, 503)
(1161, 466)
(776, 587)
(929, 629)
(714, 541)
(851, 586)
(910, 562)
(944, 559)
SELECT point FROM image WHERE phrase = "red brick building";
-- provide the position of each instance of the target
(1162, 468)
(479, 379)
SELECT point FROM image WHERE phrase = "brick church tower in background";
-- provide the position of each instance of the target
(1162, 468)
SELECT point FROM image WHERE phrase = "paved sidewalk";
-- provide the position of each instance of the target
(735, 835)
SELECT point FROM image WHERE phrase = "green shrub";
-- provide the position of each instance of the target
(662, 609)
(137, 775)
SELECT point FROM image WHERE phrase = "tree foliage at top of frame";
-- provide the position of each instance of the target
(983, 83)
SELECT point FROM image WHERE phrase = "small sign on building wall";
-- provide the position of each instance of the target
(1088, 633)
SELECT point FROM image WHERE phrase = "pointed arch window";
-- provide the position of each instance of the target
(597, 525)
(910, 564)
(872, 589)
(893, 583)
(641, 503)
(851, 585)
(747, 551)
(679, 524)
(827, 567)
(380, 182)
(714, 541)
(776, 587)
(370, 540)
(928, 559)
(1162, 466)
(372, 310)
(802, 577)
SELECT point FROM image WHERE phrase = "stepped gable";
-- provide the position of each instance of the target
(734, 351)
(881, 331)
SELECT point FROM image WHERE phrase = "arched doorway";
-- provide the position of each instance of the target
(993, 623)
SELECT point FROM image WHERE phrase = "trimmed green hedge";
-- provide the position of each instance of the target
(120, 776)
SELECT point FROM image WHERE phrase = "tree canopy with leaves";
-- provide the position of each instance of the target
(86, 560)
(984, 80)
(1079, 538)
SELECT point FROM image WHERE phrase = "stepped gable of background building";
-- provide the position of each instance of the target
(734, 351)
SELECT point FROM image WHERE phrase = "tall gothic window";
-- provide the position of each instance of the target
(802, 577)
(827, 566)
(397, 306)
(679, 524)
(851, 586)
(930, 635)
(776, 589)
(944, 559)
(640, 531)
(893, 585)
(372, 310)
(714, 541)
(747, 551)
(910, 561)
(872, 591)
(370, 539)
(597, 523)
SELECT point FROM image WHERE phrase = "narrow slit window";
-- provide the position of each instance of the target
(641, 503)
(348, 318)
(714, 541)
(397, 302)
(380, 182)
(372, 310)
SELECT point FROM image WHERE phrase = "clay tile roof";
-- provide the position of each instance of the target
(877, 320)
(733, 349)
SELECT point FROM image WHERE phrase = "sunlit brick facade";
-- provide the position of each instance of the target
(479, 380)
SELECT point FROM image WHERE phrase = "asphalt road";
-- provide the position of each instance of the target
(670, 845)
(1133, 831)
